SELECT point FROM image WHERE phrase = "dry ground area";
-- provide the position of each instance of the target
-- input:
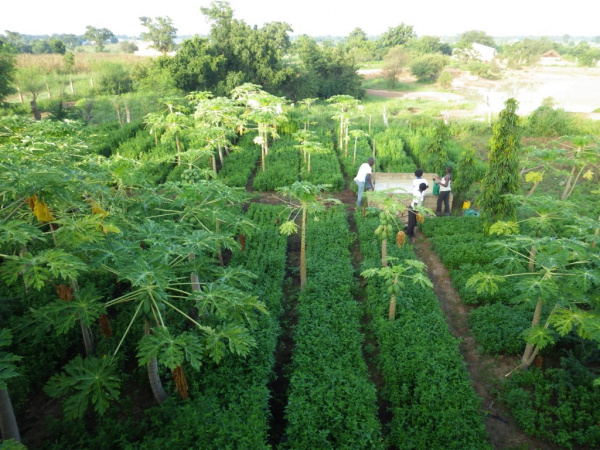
(574, 89)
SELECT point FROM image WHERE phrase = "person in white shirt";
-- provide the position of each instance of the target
(417, 201)
(363, 179)
(418, 180)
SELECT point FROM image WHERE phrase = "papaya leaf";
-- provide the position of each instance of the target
(485, 283)
(288, 228)
(84, 382)
(19, 232)
(539, 336)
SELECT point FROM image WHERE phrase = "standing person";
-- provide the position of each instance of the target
(363, 179)
(418, 197)
(444, 195)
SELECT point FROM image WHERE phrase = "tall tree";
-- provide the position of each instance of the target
(7, 72)
(250, 54)
(502, 178)
(161, 33)
(394, 62)
(398, 35)
(477, 37)
(98, 36)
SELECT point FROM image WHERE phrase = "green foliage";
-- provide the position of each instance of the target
(250, 55)
(7, 367)
(325, 71)
(7, 72)
(476, 36)
(547, 121)
(161, 33)
(398, 35)
(498, 328)
(429, 67)
(502, 177)
(282, 168)
(112, 78)
(84, 383)
(559, 404)
(426, 381)
(331, 402)
(241, 162)
(391, 156)
(98, 36)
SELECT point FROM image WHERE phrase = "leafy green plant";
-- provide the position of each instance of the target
(85, 382)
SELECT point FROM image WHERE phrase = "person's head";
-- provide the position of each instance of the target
(422, 187)
(418, 173)
(448, 169)
(371, 161)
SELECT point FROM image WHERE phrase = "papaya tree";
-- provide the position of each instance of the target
(343, 105)
(217, 120)
(396, 275)
(357, 134)
(172, 122)
(557, 274)
(302, 198)
(390, 226)
(265, 110)
(154, 259)
(308, 146)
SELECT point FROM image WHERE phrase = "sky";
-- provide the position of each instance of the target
(312, 17)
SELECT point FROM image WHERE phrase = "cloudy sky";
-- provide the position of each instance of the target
(312, 17)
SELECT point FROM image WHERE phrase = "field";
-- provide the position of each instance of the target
(212, 284)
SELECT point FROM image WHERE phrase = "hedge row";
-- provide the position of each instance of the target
(331, 402)
(240, 163)
(433, 403)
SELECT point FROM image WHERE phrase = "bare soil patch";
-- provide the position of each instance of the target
(573, 89)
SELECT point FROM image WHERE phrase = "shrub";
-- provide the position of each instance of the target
(499, 328)
(428, 67)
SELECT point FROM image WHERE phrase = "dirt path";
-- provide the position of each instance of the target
(486, 372)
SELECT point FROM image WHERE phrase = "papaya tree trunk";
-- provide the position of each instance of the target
(308, 165)
(532, 252)
(392, 313)
(533, 188)
(575, 182)
(565, 192)
(346, 141)
(219, 251)
(384, 262)
(303, 251)
(354, 157)
(8, 421)
(221, 159)
(178, 149)
(341, 143)
(194, 276)
(155, 384)
(87, 338)
(530, 350)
